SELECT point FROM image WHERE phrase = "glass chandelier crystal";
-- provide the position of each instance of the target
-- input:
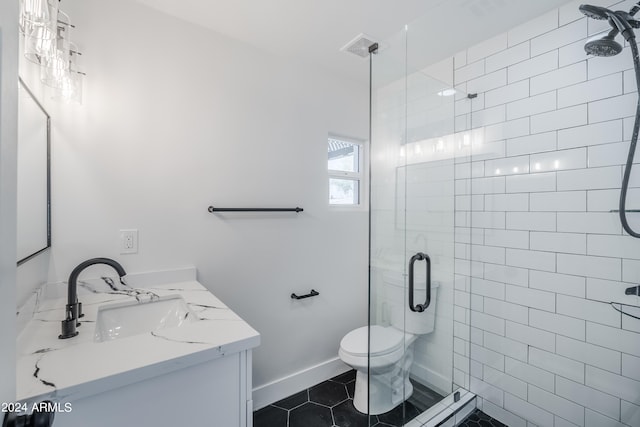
(34, 13)
(47, 42)
(38, 23)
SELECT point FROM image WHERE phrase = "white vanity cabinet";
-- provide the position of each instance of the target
(215, 393)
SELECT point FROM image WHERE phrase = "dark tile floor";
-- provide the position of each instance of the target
(479, 419)
(330, 404)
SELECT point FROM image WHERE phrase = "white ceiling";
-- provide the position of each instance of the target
(315, 30)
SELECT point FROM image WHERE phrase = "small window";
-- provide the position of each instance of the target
(345, 172)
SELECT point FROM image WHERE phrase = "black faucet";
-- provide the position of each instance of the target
(74, 308)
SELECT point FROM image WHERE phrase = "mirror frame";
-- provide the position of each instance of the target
(48, 119)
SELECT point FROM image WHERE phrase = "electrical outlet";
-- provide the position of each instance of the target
(129, 241)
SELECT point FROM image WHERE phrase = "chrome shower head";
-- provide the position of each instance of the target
(606, 46)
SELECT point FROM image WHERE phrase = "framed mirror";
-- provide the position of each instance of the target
(34, 176)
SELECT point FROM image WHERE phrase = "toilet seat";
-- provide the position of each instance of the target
(384, 340)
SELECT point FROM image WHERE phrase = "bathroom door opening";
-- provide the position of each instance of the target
(413, 327)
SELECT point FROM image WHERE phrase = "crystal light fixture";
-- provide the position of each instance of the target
(47, 42)
(38, 23)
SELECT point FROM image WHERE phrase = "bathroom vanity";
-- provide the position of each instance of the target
(192, 368)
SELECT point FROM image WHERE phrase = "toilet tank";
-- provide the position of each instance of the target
(402, 317)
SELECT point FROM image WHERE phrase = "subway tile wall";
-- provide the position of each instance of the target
(539, 257)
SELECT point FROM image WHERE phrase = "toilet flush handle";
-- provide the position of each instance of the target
(419, 308)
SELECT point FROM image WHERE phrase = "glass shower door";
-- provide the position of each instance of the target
(411, 315)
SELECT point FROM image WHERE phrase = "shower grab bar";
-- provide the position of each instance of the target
(296, 209)
(419, 308)
(313, 293)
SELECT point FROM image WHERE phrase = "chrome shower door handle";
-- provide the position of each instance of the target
(419, 308)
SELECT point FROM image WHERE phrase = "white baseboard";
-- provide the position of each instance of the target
(269, 393)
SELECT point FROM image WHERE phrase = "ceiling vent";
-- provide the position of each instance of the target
(359, 45)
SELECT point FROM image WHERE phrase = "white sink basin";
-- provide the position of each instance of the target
(133, 318)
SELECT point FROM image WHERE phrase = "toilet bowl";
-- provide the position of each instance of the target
(391, 352)
(391, 359)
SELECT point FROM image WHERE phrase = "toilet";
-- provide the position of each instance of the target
(391, 349)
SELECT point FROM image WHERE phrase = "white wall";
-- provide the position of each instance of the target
(534, 233)
(176, 118)
(31, 276)
(8, 161)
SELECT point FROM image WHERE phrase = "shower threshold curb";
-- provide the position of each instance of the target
(447, 412)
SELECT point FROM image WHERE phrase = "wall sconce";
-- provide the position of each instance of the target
(47, 42)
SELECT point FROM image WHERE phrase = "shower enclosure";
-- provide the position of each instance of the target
(413, 277)
(507, 198)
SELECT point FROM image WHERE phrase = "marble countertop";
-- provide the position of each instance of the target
(71, 369)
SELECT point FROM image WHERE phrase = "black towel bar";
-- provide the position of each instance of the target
(296, 209)
(313, 293)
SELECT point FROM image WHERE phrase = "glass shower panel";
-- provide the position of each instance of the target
(413, 163)
(388, 256)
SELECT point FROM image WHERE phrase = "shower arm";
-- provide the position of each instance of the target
(621, 20)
